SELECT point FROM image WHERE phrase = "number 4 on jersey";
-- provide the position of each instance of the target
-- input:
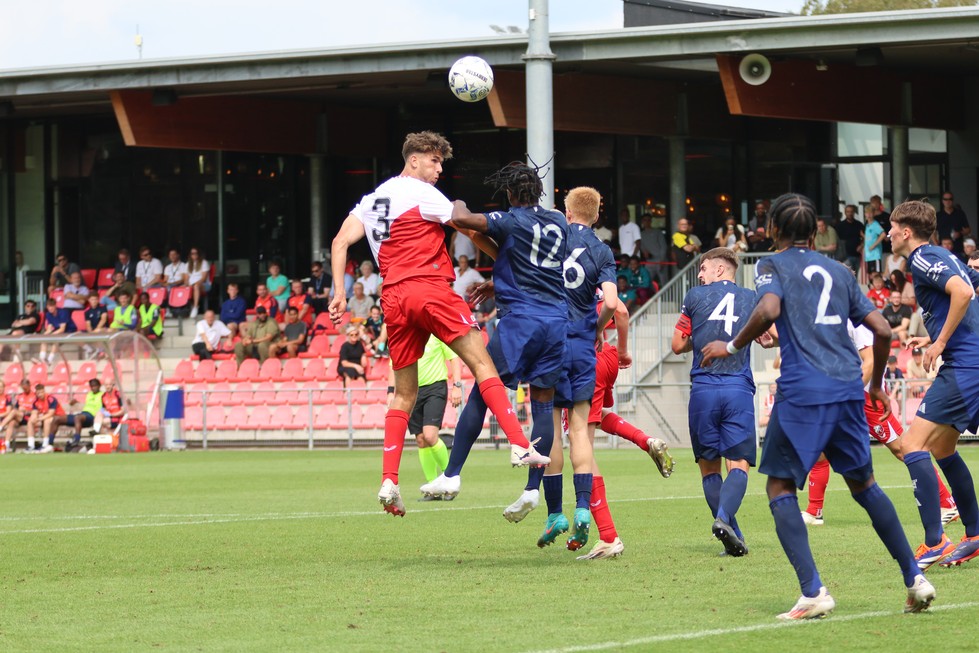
(724, 311)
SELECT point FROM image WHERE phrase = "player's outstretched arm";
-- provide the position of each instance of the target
(767, 310)
(351, 231)
(882, 349)
(463, 218)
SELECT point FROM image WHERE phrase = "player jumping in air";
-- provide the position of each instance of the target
(945, 290)
(820, 403)
(403, 220)
(722, 404)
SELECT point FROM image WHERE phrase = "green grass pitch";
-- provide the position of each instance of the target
(289, 551)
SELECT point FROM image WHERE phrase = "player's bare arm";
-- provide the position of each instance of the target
(960, 294)
(610, 301)
(622, 334)
(351, 231)
(882, 349)
(463, 218)
(767, 310)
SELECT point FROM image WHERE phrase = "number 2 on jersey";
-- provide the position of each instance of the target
(381, 209)
(821, 317)
(724, 311)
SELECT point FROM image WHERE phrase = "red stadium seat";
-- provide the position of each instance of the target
(183, 374)
(249, 371)
(107, 373)
(335, 347)
(331, 417)
(259, 418)
(58, 295)
(157, 295)
(376, 396)
(226, 370)
(38, 373)
(293, 370)
(78, 317)
(194, 396)
(379, 369)
(264, 395)
(205, 372)
(318, 348)
(213, 416)
(193, 418)
(323, 325)
(283, 418)
(13, 374)
(89, 276)
(271, 370)
(179, 297)
(222, 394)
(236, 420)
(86, 372)
(104, 278)
(373, 418)
(316, 370)
(61, 374)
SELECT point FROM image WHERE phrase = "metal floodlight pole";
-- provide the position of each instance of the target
(540, 97)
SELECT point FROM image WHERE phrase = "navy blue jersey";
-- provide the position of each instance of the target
(931, 269)
(819, 362)
(717, 311)
(589, 264)
(528, 274)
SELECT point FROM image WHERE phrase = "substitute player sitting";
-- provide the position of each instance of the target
(820, 403)
(722, 397)
(403, 221)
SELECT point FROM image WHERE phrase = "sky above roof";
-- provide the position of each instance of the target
(38, 33)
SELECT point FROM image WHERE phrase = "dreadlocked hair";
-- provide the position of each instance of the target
(522, 182)
(793, 218)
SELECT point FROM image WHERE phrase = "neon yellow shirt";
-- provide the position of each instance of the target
(93, 403)
(431, 366)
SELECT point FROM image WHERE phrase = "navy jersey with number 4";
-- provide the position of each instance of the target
(589, 264)
(717, 311)
(528, 274)
(931, 269)
(819, 362)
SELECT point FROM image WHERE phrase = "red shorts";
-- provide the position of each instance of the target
(414, 309)
(606, 372)
(885, 431)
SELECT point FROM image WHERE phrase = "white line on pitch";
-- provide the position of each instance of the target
(716, 632)
(230, 518)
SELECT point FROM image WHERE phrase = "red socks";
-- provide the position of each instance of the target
(615, 425)
(600, 511)
(818, 480)
(944, 496)
(494, 396)
(395, 427)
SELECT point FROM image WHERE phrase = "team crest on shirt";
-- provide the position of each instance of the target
(763, 280)
(935, 270)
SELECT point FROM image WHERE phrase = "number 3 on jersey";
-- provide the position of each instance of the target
(380, 211)
(724, 311)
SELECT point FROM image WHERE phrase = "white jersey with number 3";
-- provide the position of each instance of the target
(403, 219)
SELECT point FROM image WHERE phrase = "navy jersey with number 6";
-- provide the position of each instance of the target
(589, 264)
(717, 311)
(931, 269)
(819, 362)
(528, 274)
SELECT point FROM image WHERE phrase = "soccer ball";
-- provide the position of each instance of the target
(470, 79)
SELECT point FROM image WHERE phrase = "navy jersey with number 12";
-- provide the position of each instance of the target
(819, 362)
(717, 311)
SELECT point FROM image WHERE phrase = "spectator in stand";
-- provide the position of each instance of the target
(198, 278)
(300, 300)
(378, 332)
(257, 337)
(369, 278)
(61, 272)
(76, 293)
(233, 309)
(149, 270)
(898, 316)
(47, 414)
(948, 244)
(759, 220)
(878, 294)
(900, 283)
(826, 240)
(96, 316)
(126, 265)
(359, 304)
(883, 218)
(685, 248)
(278, 285)
(626, 295)
(919, 379)
(639, 280)
(57, 321)
(652, 243)
(27, 322)
(353, 356)
(952, 222)
(873, 237)
(629, 235)
(293, 339)
(894, 262)
(119, 284)
(485, 310)
(767, 404)
(968, 249)
(175, 273)
(731, 235)
(465, 276)
(125, 317)
(208, 335)
(462, 245)
(264, 299)
(892, 376)
(602, 231)
(349, 276)
(320, 284)
(974, 261)
(759, 241)
(850, 232)
(150, 317)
